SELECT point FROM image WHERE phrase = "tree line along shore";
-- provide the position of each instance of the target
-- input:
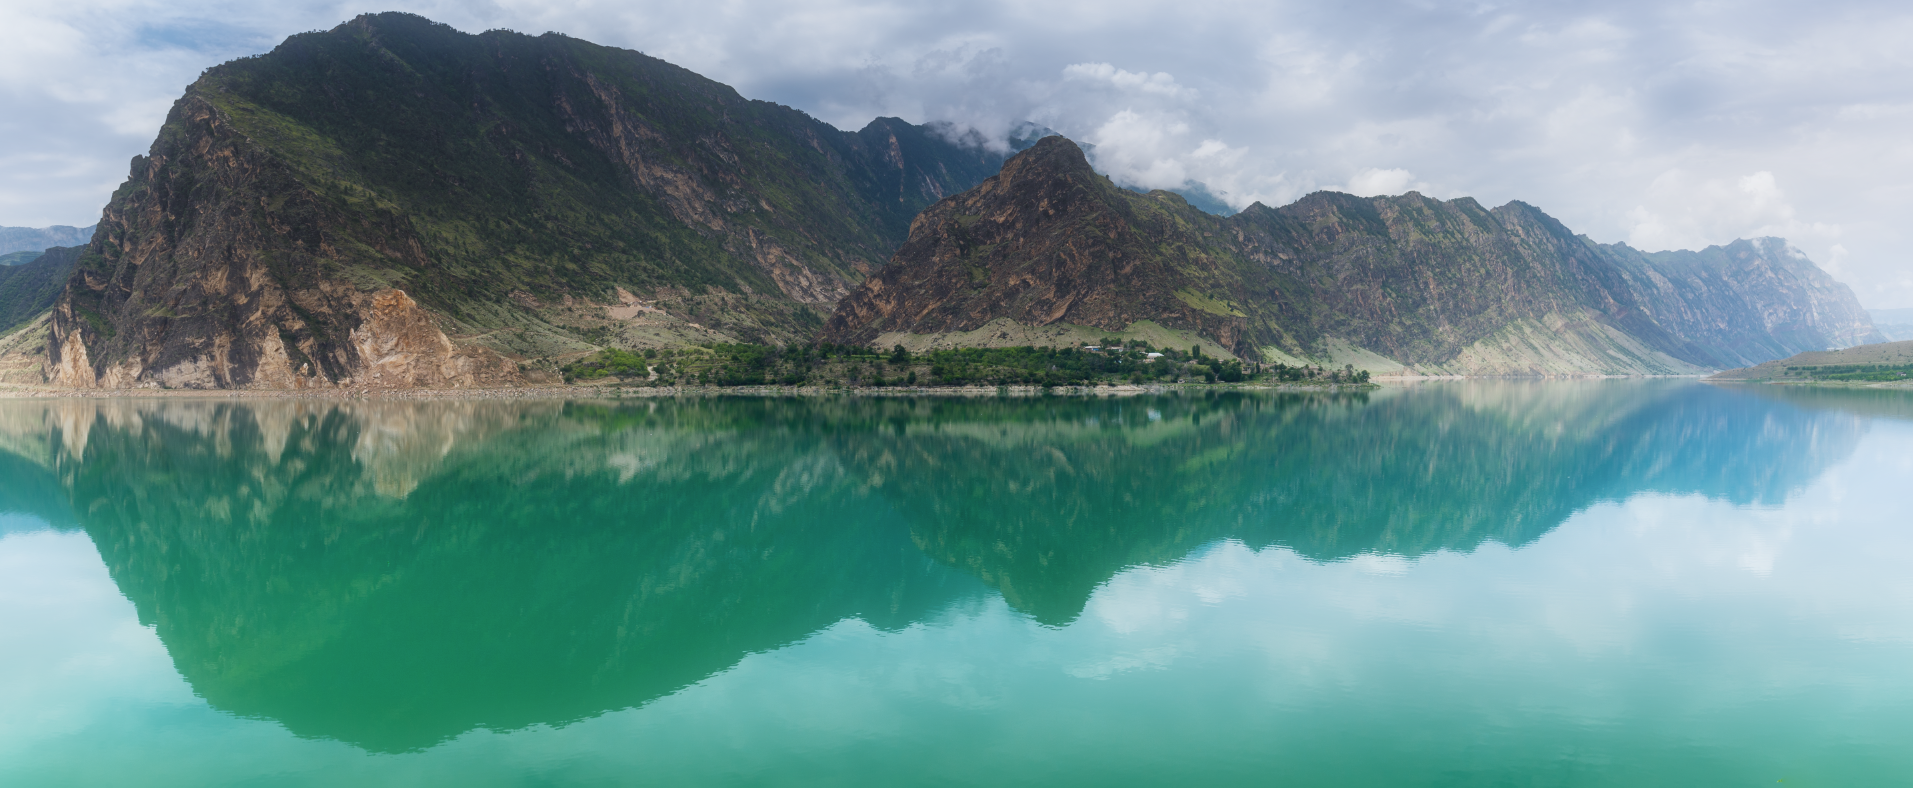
(834, 365)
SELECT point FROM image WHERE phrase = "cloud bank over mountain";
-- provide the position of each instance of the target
(1665, 125)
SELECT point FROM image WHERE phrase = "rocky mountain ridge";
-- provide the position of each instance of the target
(1390, 284)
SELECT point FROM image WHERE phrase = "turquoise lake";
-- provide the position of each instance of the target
(1487, 583)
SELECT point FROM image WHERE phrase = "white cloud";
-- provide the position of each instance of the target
(1686, 212)
(1158, 83)
(1372, 182)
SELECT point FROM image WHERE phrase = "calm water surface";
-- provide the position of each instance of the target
(1521, 584)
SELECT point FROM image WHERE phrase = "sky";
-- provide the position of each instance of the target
(1664, 125)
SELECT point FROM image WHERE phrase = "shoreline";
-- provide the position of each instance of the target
(615, 392)
(1879, 385)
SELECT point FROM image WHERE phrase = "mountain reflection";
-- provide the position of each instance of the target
(395, 574)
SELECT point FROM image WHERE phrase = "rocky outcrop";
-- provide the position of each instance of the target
(216, 267)
(507, 184)
(402, 348)
(1404, 284)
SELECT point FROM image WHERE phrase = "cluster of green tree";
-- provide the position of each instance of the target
(1347, 374)
(826, 363)
(1853, 372)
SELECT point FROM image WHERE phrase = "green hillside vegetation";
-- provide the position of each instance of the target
(828, 364)
(1879, 363)
(28, 291)
(21, 257)
(1851, 372)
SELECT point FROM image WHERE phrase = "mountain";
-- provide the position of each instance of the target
(1896, 324)
(40, 239)
(1049, 250)
(394, 202)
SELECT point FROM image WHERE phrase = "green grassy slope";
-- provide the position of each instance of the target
(28, 291)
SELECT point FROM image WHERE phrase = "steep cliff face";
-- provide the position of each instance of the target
(1393, 284)
(506, 185)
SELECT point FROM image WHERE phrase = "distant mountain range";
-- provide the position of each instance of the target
(1896, 324)
(22, 244)
(393, 203)
(1401, 284)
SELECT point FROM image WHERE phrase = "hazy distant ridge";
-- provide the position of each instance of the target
(39, 239)
(1896, 324)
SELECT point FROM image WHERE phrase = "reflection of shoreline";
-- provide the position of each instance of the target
(1893, 401)
(539, 562)
(596, 392)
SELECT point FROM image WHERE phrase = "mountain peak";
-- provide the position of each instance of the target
(1053, 151)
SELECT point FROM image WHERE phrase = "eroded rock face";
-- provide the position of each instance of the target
(402, 347)
(213, 270)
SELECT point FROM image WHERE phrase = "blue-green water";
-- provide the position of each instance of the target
(1494, 583)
